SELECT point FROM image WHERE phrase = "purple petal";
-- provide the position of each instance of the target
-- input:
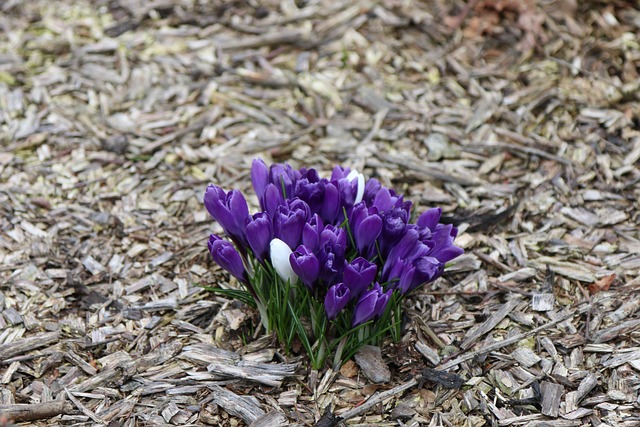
(260, 179)
(429, 219)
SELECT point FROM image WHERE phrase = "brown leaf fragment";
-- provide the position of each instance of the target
(349, 369)
(369, 358)
(602, 284)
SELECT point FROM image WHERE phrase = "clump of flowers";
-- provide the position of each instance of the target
(326, 261)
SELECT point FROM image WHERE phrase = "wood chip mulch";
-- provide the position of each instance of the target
(519, 118)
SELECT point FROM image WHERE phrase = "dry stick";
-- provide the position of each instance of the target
(36, 411)
(377, 398)
(268, 39)
(509, 341)
(83, 408)
(377, 124)
(28, 344)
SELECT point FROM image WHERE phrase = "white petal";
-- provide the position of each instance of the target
(360, 193)
(352, 175)
(280, 252)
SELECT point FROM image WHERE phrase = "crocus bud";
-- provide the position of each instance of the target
(330, 209)
(259, 234)
(358, 275)
(336, 299)
(280, 253)
(405, 284)
(335, 237)
(259, 179)
(371, 304)
(306, 266)
(272, 199)
(230, 210)
(226, 256)
(366, 226)
(311, 233)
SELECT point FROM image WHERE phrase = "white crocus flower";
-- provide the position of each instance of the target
(360, 193)
(280, 252)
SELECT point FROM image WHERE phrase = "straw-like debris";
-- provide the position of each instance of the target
(519, 118)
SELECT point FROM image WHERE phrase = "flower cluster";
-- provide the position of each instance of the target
(341, 252)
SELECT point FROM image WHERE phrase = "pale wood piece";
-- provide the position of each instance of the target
(36, 411)
(551, 395)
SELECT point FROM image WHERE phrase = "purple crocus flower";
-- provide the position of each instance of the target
(366, 226)
(336, 299)
(392, 271)
(358, 275)
(371, 188)
(260, 179)
(226, 256)
(311, 190)
(408, 247)
(284, 177)
(371, 304)
(385, 199)
(331, 253)
(229, 209)
(416, 273)
(259, 230)
(331, 206)
(311, 233)
(330, 265)
(289, 220)
(350, 184)
(394, 222)
(427, 270)
(306, 266)
(443, 248)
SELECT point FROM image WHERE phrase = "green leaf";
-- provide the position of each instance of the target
(238, 294)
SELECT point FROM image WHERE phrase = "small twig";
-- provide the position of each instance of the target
(83, 408)
(268, 39)
(36, 411)
(377, 398)
(435, 338)
(377, 124)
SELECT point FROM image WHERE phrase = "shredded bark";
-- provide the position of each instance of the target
(518, 118)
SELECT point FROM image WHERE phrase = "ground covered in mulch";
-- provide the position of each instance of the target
(519, 118)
